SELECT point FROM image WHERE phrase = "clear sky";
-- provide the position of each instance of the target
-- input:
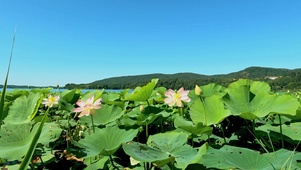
(80, 41)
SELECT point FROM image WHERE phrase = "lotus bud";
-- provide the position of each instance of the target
(141, 108)
(197, 90)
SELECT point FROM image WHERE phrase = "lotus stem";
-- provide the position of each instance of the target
(93, 128)
(69, 131)
(146, 124)
(112, 162)
(281, 135)
(253, 129)
(223, 132)
(146, 129)
(180, 110)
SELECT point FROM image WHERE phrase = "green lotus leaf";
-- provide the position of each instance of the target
(164, 148)
(104, 115)
(99, 164)
(109, 97)
(296, 117)
(192, 128)
(138, 117)
(229, 157)
(174, 144)
(143, 152)
(242, 102)
(97, 94)
(23, 109)
(208, 111)
(211, 89)
(16, 138)
(254, 85)
(68, 95)
(143, 93)
(105, 141)
(293, 130)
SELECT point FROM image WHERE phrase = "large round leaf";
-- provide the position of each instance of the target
(104, 115)
(189, 126)
(293, 130)
(242, 158)
(143, 93)
(165, 147)
(211, 89)
(210, 110)
(254, 85)
(242, 102)
(15, 139)
(105, 141)
(23, 109)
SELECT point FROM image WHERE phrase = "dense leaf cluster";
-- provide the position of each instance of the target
(242, 126)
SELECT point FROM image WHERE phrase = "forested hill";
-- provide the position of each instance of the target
(279, 79)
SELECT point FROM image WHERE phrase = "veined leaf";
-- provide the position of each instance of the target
(23, 109)
(15, 139)
(97, 94)
(164, 148)
(211, 89)
(252, 104)
(242, 158)
(105, 141)
(190, 127)
(293, 130)
(143, 93)
(208, 111)
(103, 116)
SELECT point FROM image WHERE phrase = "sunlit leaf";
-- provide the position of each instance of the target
(15, 139)
(242, 102)
(211, 89)
(23, 109)
(163, 148)
(242, 158)
(97, 94)
(68, 95)
(210, 110)
(104, 115)
(293, 130)
(143, 93)
(192, 128)
(105, 141)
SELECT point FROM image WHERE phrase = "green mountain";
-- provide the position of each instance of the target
(278, 78)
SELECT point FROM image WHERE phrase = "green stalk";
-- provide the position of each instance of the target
(146, 124)
(27, 159)
(223, 132)
(205, 117)
(2, 116)
(112, 162)
(92, 123)
(281, 135)
(180, 110)
(69, 131)
(253, 129)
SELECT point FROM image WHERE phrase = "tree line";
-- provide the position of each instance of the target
(278, 79)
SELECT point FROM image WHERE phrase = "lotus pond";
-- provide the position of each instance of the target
(242, 126)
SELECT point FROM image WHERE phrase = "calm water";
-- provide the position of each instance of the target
(54, 90)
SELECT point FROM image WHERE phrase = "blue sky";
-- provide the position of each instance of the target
(60, 42)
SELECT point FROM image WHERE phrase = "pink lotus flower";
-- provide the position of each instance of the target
(176, 98)
(88, 107)
(51, 101)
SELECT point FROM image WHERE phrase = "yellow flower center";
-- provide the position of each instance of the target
(51, 99)
(177, 96)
